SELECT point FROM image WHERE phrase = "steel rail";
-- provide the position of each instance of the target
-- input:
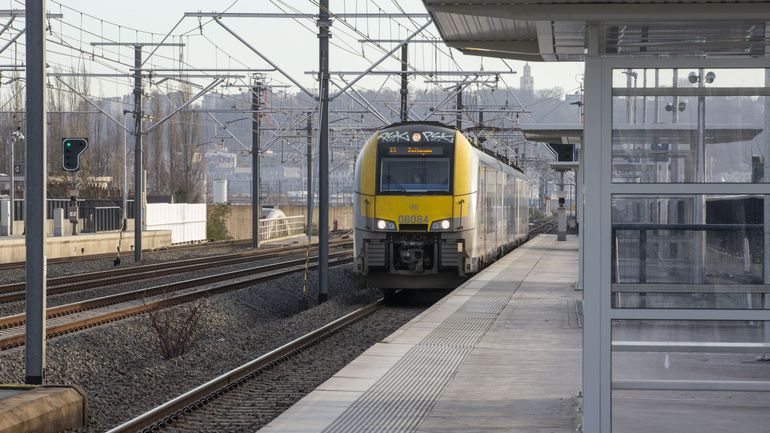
(245, 279)
(199, 396)
(545, 227)
(58, 260)
(71, 283)
(102, 301)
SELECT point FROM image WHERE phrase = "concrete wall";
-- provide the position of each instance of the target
(13, 249)
(239, 221)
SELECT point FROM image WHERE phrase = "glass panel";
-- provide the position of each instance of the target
(689, 251)
(415, 175)
(687, 77)
(708, 127)
(686, 38)
(706, 354)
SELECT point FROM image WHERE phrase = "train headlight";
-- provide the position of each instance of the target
(386, 225)
(440, 225)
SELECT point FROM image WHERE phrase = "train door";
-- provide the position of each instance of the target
(500, 223)
(504, 206)
(511, 208)
(522, 227)
(481, 213)
(519, 207)
(491, 196)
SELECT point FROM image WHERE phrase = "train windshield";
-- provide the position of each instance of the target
(414, 175)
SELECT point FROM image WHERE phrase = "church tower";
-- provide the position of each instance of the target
(527, 81)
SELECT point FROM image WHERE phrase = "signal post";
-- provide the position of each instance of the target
(71, 149)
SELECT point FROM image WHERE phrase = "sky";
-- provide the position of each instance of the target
(291, 44)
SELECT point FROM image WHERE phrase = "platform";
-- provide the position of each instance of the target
(500, 353)
(12, 248)
(42, 409)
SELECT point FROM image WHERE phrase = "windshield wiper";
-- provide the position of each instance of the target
(393, 180)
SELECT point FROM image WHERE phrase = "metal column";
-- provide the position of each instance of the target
(630, 118)
(138, 175)
(766, 215)
(124, 211)
(657, 101)
(675, 100)
(12, 191)
(700, 177)
(35, 184)
(644, 98)
(404, 83)
(596, 355)
(459, 108)
(309, 175)
(323, 152)
(256, 203)
(579, 209)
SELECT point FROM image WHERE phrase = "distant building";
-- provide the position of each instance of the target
(527, 81)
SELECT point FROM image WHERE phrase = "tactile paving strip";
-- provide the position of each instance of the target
(400, 400)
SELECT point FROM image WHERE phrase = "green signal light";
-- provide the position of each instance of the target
(68, 144)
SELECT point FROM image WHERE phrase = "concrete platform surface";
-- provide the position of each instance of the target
(12, 248)
(500, 353)
(42, 409)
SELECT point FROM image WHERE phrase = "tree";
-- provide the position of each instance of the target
(185, 161)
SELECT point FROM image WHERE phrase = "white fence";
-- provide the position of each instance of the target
(186, 221)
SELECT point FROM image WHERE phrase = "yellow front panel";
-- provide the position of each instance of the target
(463, 165)
(367, 167)
(415, 209)
(463, 201)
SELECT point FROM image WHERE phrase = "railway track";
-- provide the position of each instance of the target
(199, 397)
(14, 265)
(545, 227)
(72, 283)
(112, 255)
(76, 316)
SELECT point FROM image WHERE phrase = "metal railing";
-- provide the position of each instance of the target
(101, 218)
(270, 229)
(60, 203)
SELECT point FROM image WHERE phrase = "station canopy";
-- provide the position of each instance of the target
(554, 30)
(553, 134)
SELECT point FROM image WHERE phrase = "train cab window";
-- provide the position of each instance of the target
(414, 175)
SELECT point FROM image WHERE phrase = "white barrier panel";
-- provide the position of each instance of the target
(186, 221)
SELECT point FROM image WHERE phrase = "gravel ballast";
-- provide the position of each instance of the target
(120, 366)
(81, 295)
(258, 401)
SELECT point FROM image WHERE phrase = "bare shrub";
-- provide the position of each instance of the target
(175, 328)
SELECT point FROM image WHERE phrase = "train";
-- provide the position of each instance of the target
(432, 208)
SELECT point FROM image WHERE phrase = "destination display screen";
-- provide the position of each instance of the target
(415, 150)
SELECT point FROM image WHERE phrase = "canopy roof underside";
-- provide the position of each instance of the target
(554, 30)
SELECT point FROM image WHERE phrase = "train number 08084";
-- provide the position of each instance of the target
(412, 219)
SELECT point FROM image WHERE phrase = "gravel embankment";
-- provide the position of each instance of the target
(120, 366)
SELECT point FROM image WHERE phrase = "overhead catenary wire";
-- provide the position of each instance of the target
(114, 59)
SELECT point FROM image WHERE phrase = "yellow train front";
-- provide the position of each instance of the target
(430, 208)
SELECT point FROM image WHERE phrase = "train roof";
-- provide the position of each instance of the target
(418, 122)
